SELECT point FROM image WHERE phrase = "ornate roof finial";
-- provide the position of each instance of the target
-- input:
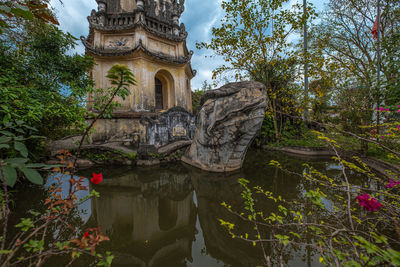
(178, 6)
(101, 5)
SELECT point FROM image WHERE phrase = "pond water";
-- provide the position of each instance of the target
(168, 215)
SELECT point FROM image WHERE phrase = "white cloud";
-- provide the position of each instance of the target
(72, 17)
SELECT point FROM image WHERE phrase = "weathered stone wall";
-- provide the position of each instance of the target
(161, 132)
(156, 129)
(119, 130)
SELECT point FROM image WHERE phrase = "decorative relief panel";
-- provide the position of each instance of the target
(128, 5)
(159, 46)
(118, 42)
(179, 131)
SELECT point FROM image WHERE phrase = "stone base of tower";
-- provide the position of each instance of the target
(156, 129)
(132, 131)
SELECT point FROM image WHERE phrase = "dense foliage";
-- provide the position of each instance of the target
(345, 223)
(42, 93)
(355, 225)
(346, 55)
(41, 84)
(43, 233)
(253, 40)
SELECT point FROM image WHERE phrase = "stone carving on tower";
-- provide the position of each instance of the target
(146, 36)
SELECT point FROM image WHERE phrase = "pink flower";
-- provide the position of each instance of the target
(368, 203)
(97, 178)
(392, 184)
(86, 235)
(381, 108)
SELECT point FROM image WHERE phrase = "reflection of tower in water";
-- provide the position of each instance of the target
(149, 221)
(211, 191)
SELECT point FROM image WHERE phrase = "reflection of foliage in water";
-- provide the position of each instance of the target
(129, 211)
(325, 219)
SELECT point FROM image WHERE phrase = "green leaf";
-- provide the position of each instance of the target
(21, 148)
(34, 213)
(32, 175)
(38, 165)
(25, 224)
(30, 128)
(7, 133)
(19, 12)
(17, 161)
(4, 139)
(4, 146)
(11, 175)
(46, 167)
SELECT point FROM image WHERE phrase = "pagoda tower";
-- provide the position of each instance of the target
(146, 36)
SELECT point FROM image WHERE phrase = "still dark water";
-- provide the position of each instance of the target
(168, 215)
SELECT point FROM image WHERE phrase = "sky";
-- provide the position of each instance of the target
(199, 18)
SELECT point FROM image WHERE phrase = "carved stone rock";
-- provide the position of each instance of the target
(227, 122)
(176, 124)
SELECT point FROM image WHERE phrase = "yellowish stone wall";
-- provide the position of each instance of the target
(117, 130)
(175, 79)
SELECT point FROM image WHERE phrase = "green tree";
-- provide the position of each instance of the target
(391, 55)
(281, 92)
(348, 53)
(196, 98)
(253, 37)
(322, 93)
(206, 86)
(43, 234)
(13, 13)
(41, 83)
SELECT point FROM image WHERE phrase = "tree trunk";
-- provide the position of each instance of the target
(275, 120)
(364, 147)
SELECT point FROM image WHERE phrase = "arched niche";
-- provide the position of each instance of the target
(164, 88)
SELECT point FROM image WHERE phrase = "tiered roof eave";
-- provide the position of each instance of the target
(161, 26)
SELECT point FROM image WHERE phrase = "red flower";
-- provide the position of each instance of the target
(97, 178)
(86, 235)
(368, 203)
